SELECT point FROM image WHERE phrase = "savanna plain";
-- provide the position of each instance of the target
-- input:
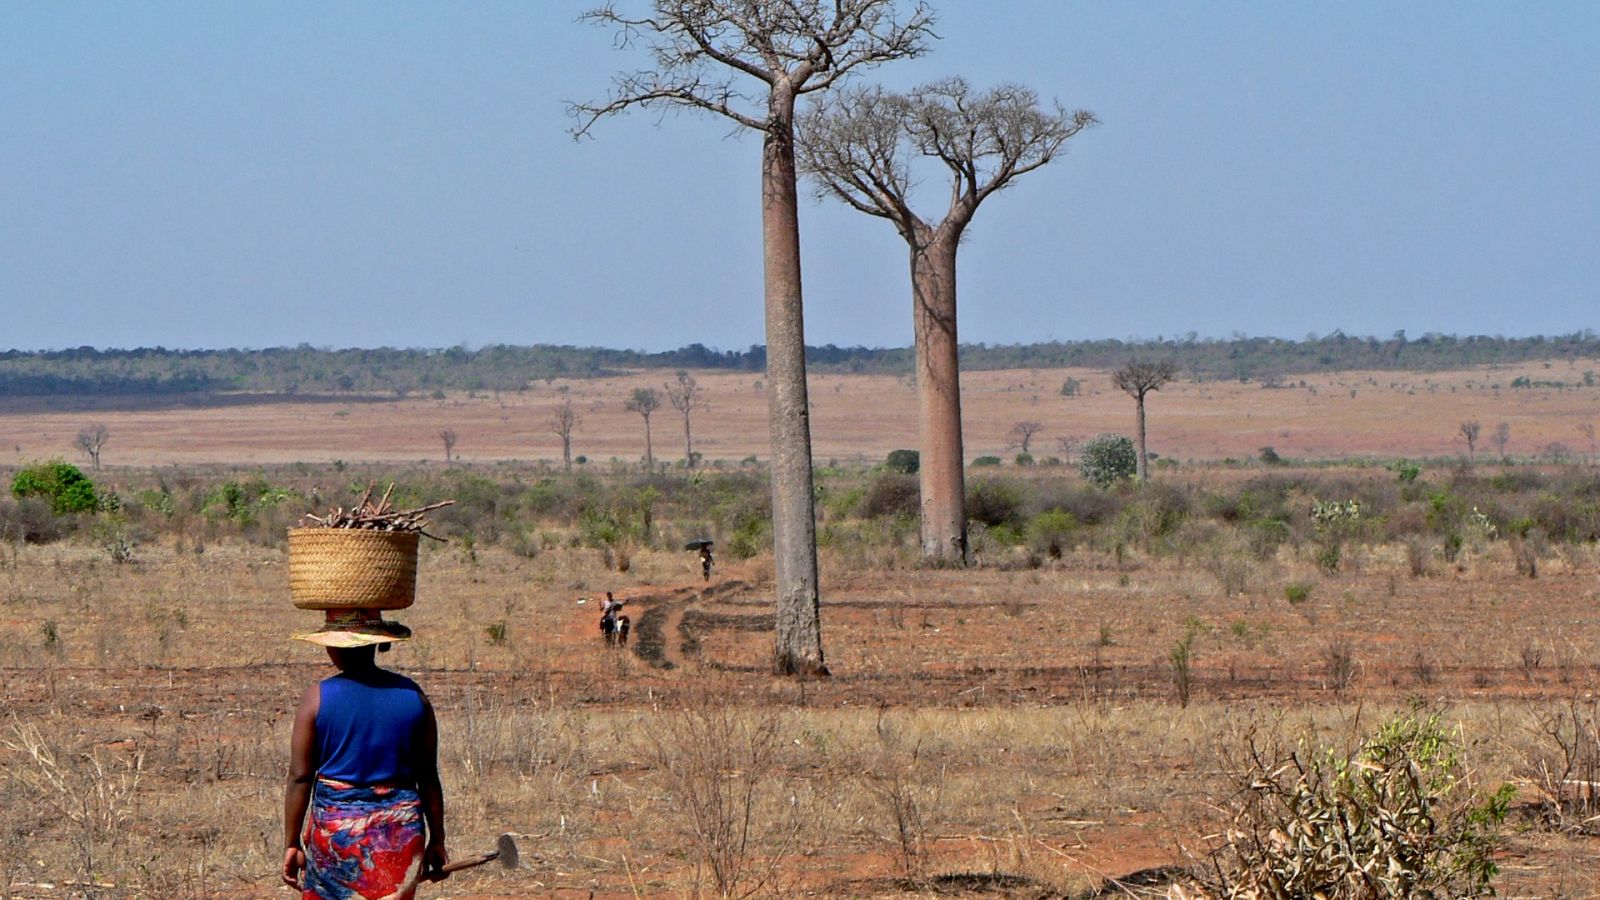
(1079, 713)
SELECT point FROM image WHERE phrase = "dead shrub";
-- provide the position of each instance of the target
(1564, 765)
(86, 797)
(1526, 551)
(891, 494)
(906, 785)
(720, 769)
(1419, 556)
(1340, 668)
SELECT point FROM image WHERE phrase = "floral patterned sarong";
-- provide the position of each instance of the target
(362, 843)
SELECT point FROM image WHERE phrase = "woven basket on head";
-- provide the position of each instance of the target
(340, 568)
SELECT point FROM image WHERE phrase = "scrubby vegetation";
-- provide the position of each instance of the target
(1019, 516)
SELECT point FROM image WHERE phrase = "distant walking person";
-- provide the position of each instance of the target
(705, 561)
(613, 625)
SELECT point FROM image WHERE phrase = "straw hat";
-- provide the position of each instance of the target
(347, 628)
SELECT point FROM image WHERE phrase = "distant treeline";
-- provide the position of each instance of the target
(305, 369)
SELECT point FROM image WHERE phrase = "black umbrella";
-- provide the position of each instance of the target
(698, 544)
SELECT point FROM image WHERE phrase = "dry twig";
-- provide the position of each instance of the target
(380, 516)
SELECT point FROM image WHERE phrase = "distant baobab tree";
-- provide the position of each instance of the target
(686, 396)
(91, 439)
(748, 61)
(564, 420)
(1469, 433)
(449, 439)
(1022, 434)
(860, 147)
(1138, 379)
(645, 401)
(1502, 437)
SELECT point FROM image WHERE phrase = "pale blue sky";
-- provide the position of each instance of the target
(360, 174)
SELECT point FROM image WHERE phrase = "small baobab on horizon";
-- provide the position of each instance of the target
(1137, 379)
(91, 439)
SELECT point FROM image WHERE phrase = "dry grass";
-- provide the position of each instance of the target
(1015, 728)
(856, 417)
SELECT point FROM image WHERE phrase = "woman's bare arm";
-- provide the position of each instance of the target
(429, 790)
(297, 788)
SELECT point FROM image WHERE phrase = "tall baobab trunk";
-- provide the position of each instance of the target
(794, 525)
(1144, 459)
(943, 476)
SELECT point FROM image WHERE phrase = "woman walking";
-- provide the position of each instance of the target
(363, 808)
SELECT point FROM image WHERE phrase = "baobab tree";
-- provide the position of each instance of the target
(1502, 437)
(91, 439)
(860, 147)
(1022, 434)
(685, 395)
(748, 61)
(448, 437)
(1138, 379)
(564, 420)
(645, 401)
(1469, 433)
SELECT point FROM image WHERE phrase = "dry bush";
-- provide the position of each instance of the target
(1525, 551)
(1232, 567)
(906, 785)
(1563, 764)
(1419, 555)
(86, 799)
(720, 768)
(1340, 668)
(1398, 817)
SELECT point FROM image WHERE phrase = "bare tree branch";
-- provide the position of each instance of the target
(859, 146)
(799, 46)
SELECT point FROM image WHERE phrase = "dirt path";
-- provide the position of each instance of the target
(660, 636)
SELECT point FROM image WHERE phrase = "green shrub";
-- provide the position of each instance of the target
(1107, 459)
(1297, 592)
(61, 483)
(1024, 459)
(985, 462)
(1050, 532)
(905, 461)
(750, 538)
(1398, 817)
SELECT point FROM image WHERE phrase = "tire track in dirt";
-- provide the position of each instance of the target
(660, 628)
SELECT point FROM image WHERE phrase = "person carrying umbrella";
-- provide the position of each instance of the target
(704, 546)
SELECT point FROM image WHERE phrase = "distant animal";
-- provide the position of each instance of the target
(614, 626)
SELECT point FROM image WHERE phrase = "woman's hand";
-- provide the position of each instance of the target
(294, 860)
(434, 858)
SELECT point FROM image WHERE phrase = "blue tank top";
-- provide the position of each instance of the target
(368, 728)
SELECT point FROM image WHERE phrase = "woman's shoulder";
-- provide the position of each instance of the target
(377, 678)
(396, 680)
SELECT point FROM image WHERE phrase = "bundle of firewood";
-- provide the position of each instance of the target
(379, 516)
